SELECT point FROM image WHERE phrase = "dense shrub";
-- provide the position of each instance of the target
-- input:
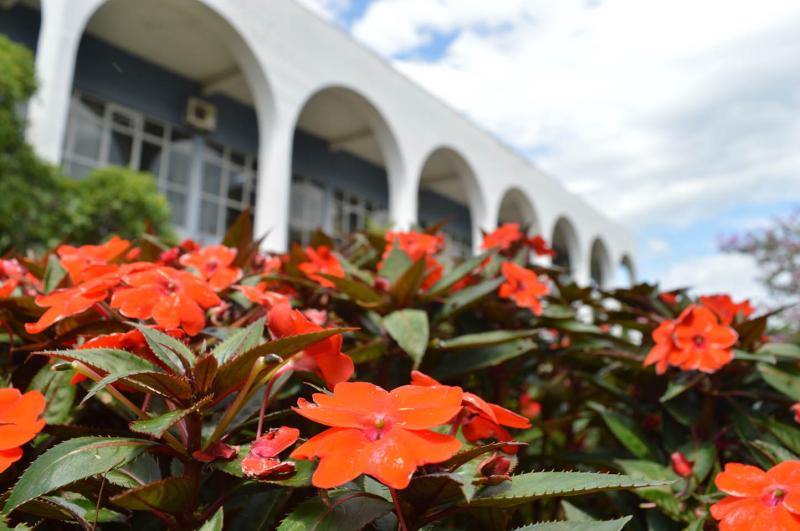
(184, 385)
(39, 207)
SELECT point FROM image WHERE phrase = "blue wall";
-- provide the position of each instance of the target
(21, 25)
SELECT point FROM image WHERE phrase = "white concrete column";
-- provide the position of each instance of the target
(403, 201)
(581, 267)
(60, 34)
(274, 184)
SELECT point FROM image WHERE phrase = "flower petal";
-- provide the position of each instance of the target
(742, 480)
(418, 407)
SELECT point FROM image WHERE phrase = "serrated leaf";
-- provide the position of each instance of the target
(108, 360)
(408, 283)
(457, 273)
(356, 290)
(483, 339)
(789, 436)
(215, 522)
(534, 485)
(173, 353)
(344, 512)
(157, 426)
(240, 341)
(606, 525)
(468, 455)
(171, 495)
(468, 296)
(232, 374)
(71, 461)
(395, 263)
(409, 328)
(774, 452)
(204, 372)
(472, 360)
(160, 383)
(784, 380)
(786, 351)
(628, 433)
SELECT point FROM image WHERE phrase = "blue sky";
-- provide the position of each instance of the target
(679, 119)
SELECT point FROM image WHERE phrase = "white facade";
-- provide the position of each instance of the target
(286, 56)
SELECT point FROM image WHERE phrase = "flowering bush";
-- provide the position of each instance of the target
(381, 384)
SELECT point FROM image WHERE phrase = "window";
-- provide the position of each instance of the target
(306, 209)
(103, 133)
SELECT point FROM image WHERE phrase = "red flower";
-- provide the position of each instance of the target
(680, 465)
(11, 273)
(539, 246)
(321, 260)
(89, 261)
(529, 407)
(216, 450)
(482, 420)
(259, 294)
(523, 287)
(66, 302)
(214, 264)
(272, 265)
(324, 358)
(414, 244)
(694, 341)
(759, 500)
(796, 410)
(503, 237)
(725, 308)
(19, 422)
(170, 297)
(669, 297)
(262, 461)
(379, 433)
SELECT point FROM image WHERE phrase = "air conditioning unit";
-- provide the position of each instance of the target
(201, 114)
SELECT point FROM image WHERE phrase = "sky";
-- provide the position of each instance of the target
(680, 119)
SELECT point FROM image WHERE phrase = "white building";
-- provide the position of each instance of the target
(233, 103)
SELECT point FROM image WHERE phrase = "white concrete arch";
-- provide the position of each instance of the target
(447, 172)
(566, 243)
(626, 272)
(601, 270)
(516, 207)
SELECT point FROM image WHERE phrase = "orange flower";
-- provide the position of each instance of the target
(272, 265)
(414, 244)
(795, 408)
(89, 261)
(694, 341)
(321, 260)
(324, 358)
(11, 273)
(259, 294)
(379, 433)
(669, 297)
(529, 407)
(66, 302)
(539, 246)
(759, 500)
(262, 461)
(170, 297)
(523, 287)
(214, 264)
(503, 237)
(19, 422)
(725, 308)
(482, 420)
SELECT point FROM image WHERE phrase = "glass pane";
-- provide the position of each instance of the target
(177, 203)
(231, 214)
(89, 108)
(236, 182)
(150, 158)
(214, 149)
(153, 128)
(208, 216)
(253, 191)
(179, 136)
(121, 119)
(178, 171)
(87, 140)
(212, 178)
(119, 151)
(237, 158)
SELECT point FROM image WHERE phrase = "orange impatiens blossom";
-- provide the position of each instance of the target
(503, 237)
(383, 434)
(90, 261)
(725, 308)
(795, 409)
(19, 422)
(325, 358)
(759, 500)
(262, 461)
(214, 264)
(11, 273)
(540, 247)
(321, 260)
(523, 287)
(694, 341)
(172, 298)
(67, 302)
(259, 294)
(481, 420)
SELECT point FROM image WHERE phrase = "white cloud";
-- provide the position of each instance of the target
(688, 107)
(721, 273)
(657, 246)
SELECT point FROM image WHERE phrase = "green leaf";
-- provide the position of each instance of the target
(785, 381)
(157, 426)
(54, 273)
(356, 290)
(471, 453)
(108, 360)
(789, 436)
(394, 265)
(171, 495)
(786, 351)
(629, 434)
(473, 360)
(678, 387)
(215, 522)
(233, 373)
(468, 296)
(59, 395)
(160, 383)
(169, 350)
(773, 452)
(71, 461)
(534, 485)
(607, 525)
(204, 372)
(240, 341)
(662, 496)
(410, 329)
(408, 283)
(483, 339)
(368, 351)
(457, 273)
(343, 512)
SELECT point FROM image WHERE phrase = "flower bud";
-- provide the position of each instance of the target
(681, 466)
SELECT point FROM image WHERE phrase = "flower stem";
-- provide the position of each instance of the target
(398, 510)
